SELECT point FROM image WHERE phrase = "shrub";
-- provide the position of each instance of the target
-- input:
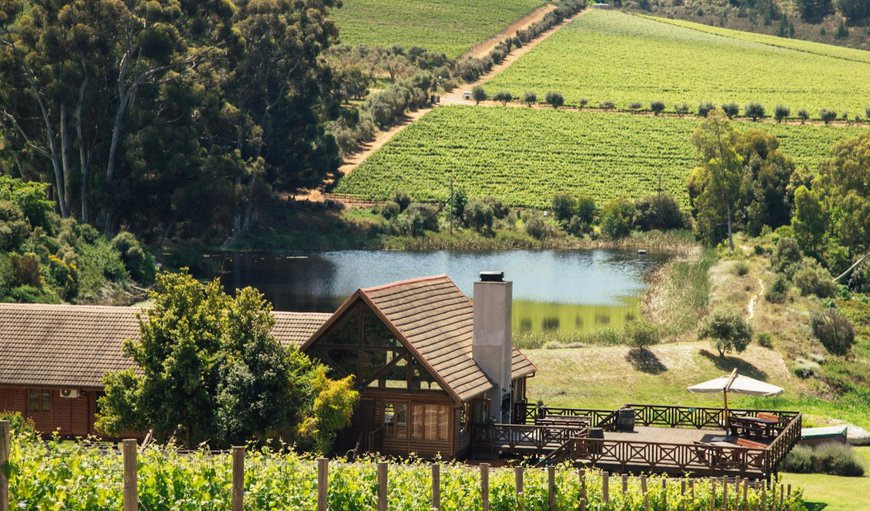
(25, 269)
(634, 107)
(834, 331)
(787, 253)
(778, 291)
(806, 369)
(657, 107)
(390, 210)
(583, 102)
(842, 32)
(765, 340)
(705, 108)
(812, 279)
(478, 94)
(731, 109)
(586, 209)
(728, 331)
(499, 208)
(458, 203)
(537, 227)
(606, 105)
(803, 115)
(421, 217)
(681, 109)
(617, 218)
(640, 334)
(827, 115)
(503, 97)
(137, 260)
(564, 206)
(740, 268)
(403, 199)
(781, 112)
(799, 460)
(577, 226)
(755, 111)
(478, 216)
(659, 211)
(838, 459)
(530, 98)
(554, 99)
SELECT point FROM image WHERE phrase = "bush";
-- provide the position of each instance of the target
(634, 107)
(728, 331)
(838, 459)
(640, 334)
(564, 206)
(586, 209)
(458, 203)
(25, 270)
(765, 340)
(799, 460)
(834, 331)
(390, 210)
(755, 111)
(731, 109)
(583, 102)
(617, 218)
(577, 226)
(530, 98)
(778, 291)
(786, 254)
(478, 94)
(812, 279)
(681, 109)
(803, 115)
(705, 108)
(478, 216)
(659, 211)
(554, 99)
(503, 97)
(137, 260)
(806, 369)
(606, 105)
(740, 268)
(780, 113)
(657, 107)
(403, 199)
(499, 209)
(827, 115)
(537, 228)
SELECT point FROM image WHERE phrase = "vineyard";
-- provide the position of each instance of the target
(85, 476)
(617, 57)
(525, 156)
(446, 26)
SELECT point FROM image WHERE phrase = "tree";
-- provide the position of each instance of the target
(714, 186)
(635, 106)
(803, 115)
(834, 331)
(813, 11)
(659, 211)
(845, 191)
(681, 109)
(530, 98)
(503, 97)
(855, 11)
(554, 99)
(781, 113)
(657, 107)
(705, 108)
(582, 103)
(641, 335)
(458, 203)
(617, 218)
(827, 115)
(765, 184)
(585, 209)
(564, 206)
(809, 222)
(728, 331)
(731, 109)
(755, 111)
(479, 216)
(478, 94)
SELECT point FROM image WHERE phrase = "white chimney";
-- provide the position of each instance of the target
(492, 348)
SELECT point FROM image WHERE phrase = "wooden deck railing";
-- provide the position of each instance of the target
(519, 438)
(788, 437)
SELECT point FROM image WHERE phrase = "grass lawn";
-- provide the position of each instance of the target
(613, 56)
(445, 26)
(525, 156)
(834, 493)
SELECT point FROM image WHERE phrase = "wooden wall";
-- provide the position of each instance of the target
(71, 417)
(403, 447)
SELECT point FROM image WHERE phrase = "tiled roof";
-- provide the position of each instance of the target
(74, 345)
(435, 317)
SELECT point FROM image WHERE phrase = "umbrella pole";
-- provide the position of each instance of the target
(727, 421)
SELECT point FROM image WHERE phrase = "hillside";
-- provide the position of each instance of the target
(612, 56)
(526, 155)
(448, 26)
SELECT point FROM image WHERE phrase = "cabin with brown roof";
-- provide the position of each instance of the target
(427, 362)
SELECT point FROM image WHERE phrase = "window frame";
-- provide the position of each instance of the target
(38, 400)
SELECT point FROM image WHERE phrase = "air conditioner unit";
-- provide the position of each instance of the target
(69, 393)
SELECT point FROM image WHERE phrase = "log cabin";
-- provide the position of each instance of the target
(428, 361)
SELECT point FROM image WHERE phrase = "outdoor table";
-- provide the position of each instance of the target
(753, 425)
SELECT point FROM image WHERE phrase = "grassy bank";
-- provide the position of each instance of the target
(834, 493)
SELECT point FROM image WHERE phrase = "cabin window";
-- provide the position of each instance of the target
(431, 422)
(396, 420)
(38, 401)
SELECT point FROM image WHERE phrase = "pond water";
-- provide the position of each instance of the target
(553, 290)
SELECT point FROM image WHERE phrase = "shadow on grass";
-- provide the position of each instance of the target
(728, 363)
(815, 506)
(645, 361)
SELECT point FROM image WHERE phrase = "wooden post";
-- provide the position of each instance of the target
(692, 490)
(382, 486)
(745, 491)
(322, 484)
(781, 495)
(712, 494)
(238, 478)
(484, 485)
(5, 447)
(725, 493)
(643, 492)
(664, 493)
(131, 497)
(582, 473)
(763, 497)
(551, 486)
(436, 487)
(624, 484)
(605, 487)
(683, 494)
(518, 480)
(788, 495)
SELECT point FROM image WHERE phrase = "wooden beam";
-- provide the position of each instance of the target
(131, 497)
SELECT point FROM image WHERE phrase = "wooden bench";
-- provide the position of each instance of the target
(745, 442)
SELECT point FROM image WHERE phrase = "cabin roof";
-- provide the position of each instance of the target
(75, 345)
(434, 319)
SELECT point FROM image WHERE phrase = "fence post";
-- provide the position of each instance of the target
(322, 484)
(238, 478)
(582, 473)
(518, 482)
(624, 484)
(5, 447)
(643, 492)
(382, 486)
(484, 485)
(131, 497)
(551, 486)
(664, 492)
(436, 487)
(745, 491)
(781, 495)
(683, 494)
(712, 494)
(692, 491)
(605, 487)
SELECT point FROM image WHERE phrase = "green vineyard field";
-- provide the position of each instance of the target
(525, 156)
(623, 58)
(446, 26)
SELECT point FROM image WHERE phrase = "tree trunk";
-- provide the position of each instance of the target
(64, 158)
(730, 234)
(83, 156)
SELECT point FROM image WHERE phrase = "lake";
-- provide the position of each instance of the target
(554, 290)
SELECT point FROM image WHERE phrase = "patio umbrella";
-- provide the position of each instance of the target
(736, 383)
